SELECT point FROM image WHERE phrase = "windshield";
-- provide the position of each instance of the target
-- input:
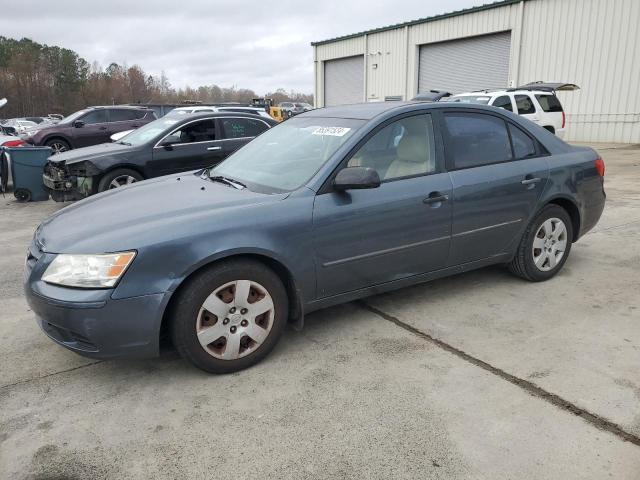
(148, 132)
(287, 156)
(73, 116)
(482, 100)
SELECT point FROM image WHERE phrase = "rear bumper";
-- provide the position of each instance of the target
(104, 328)
(591, 213)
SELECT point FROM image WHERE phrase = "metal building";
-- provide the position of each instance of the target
(592, 43)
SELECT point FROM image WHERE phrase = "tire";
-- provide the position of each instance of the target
(542, 260)
(235, 339)
(57, 145)
(22, 195)
(119, 177)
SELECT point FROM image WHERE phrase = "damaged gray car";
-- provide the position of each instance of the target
(162, 147)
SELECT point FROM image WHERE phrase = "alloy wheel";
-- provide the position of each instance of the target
(121, 181)
(57, 147)
(235, 319)
(549, 244)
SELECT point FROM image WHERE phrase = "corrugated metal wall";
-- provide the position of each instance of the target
(594, 43)
(465, 64)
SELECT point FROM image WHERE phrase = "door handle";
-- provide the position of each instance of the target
(213, 149)
(435, 197)
(530, 181)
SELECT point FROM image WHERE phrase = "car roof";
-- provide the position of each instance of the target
(502, 92)
(126, 107)
(251, 116)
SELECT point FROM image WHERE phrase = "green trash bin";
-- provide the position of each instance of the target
(27, 167)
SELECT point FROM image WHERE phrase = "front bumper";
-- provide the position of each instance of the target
(91, 322)
(105, 329)
(63, 186)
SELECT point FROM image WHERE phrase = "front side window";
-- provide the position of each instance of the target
(525, 105)
(403, 148)
(201, 131)
(286, 156)
(503, 102)
(477, 139)
(242, 127)
(95, 116)
(523, 146)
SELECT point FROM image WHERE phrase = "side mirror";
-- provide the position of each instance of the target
(78, 124)
(355, 178)
(169, 141)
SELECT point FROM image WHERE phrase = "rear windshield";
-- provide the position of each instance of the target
(549, 103)
(481, 99)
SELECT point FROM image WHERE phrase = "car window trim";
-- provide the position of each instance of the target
(327, 185)
(450, 162)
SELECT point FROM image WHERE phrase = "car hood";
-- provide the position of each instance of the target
(147, 213)
(89, 153)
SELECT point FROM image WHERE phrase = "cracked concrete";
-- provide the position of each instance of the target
(354, 395)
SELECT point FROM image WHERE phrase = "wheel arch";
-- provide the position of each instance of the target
(58, 136)
(572, 210)
(296, 312)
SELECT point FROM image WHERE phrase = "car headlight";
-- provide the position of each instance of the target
(88, 271)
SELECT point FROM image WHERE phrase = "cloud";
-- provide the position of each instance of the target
(261, 45)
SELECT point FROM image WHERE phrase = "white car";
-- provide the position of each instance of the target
(535, 101)
(20, 125)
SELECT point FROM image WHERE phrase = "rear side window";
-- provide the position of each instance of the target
(523, 146)
(525, 105)
(242, 127)
(549, 103)
(121, 115)
(94, 116)
(476, 139)
(503, 102)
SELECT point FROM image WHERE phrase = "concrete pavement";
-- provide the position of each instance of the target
(366, 390)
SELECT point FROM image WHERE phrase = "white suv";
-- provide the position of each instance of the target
(537, 102)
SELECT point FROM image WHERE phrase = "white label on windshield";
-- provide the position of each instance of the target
(332, 131)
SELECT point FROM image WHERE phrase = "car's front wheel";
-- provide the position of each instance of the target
(57, 145)
(545, 245)
(229, 316)
(118, 178)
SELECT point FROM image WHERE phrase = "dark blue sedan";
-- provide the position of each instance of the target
(330, 206)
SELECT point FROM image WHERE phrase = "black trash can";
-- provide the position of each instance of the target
(27, 167)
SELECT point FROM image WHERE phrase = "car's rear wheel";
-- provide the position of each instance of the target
(229, 316)
(545, 245)
(57, 145)
(118, 178)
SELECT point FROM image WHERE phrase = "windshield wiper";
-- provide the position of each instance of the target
(228, 181)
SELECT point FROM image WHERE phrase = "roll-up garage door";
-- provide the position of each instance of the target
(344, 81)
(465, 65)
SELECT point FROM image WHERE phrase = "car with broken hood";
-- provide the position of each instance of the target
(165, 146)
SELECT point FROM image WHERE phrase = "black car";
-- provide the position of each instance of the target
(90, 126)
(164, 146)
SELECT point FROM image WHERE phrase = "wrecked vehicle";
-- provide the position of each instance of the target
(162, 147)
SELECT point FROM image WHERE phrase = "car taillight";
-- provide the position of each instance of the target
(564, 119)
(13, 143)
(600, 166)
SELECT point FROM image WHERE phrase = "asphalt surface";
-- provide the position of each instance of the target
(478, 376)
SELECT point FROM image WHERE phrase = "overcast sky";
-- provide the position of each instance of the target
(260, 44)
